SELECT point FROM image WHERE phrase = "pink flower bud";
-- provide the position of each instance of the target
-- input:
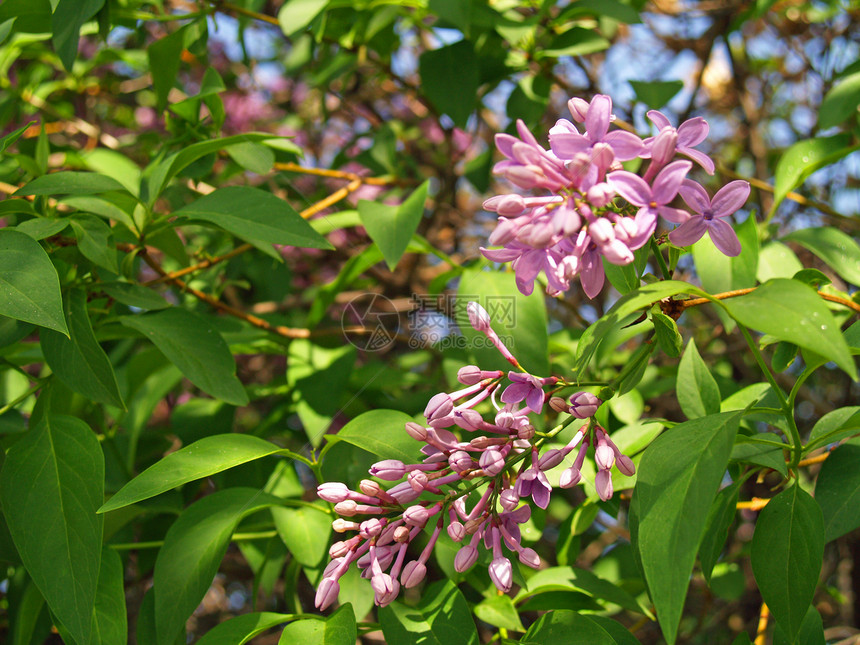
(413, 573)
(333, 492)
(557, 404)
(372, 527)
(385, 587)
(439, 406)
(625, 465)
(370, 487)
(416, 515)
(570, 477)
(338, 549)
(551, 458)
(403, 493)
(417, 480)
(584, 405)
(478, 317)
(469, 375)
(326, 594)
(482, 443)
(604, 455)
(600, 195)
(492, 461)
(342, 526)
(401, 534)
(416, 431)
(346, 508)
(388, 469)
(525, 432)
(509, 499)
(460, 461)
(511, 205)
(578, 108)
(468, 419)
(501, 573)
(332, 566)
(456, 531)
(465, 558)
(603, 484)
(530, 558)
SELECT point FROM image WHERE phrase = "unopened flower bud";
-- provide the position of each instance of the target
(625, 465)
(509, 499)
(600, 195)
(415, 515)
(338, 549)
(333, 492)
(341, 525)
(530, 558)
(603, 484)
(551, 458)
(370, 487)
(465, 558)
(478, 317)
(570, 477)
(482, 442)
(501, 573)
(604, 455)
(345, 508)
(418, 480)
(416, 431)
(558, 404)
(413, 573)
(492, 461)
(525, 433)
(578, 108)
(403, 493)
(388, 469)
(401, 534)
(460, 461)
(456, 531)
(469, 375)
(332, 566)
(468, 419)
(327, 593)
(584, 405)
(439, 406)
(372, 527)
(474, 524)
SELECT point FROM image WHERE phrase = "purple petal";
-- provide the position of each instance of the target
(591, 277)
(724, 238)
(534, 400)
(646, 222)
(700, 158)
(529, 264)
(563, 126)
(525, 286)
(516, 392)
(692, 132)
(631, 187)
(565, 145)
(696, 196)
(541, 496)
(625, 145)
(730, 198)
(658, 119)
(525, 153)
(689, 232)
(603, 484)
(526, 135)
(505, 144)
(668, 181)
(501, 255)
(663, 146)
(674, 215)
(597, 118)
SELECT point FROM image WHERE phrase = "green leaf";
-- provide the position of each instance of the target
(623, 277)
(391, 227)
(580, 581)
(837, 490)
(69, 16)
(441, 617)
(41, 227)
(786, 553)
(164, 58)
(776, 260)
(193, 548)
(839, 250)
(720, 517)
(627, 304)
(840, 103)
(620, 11)
(110, 621)
(12, 137)
(677, 479)
(78, 360)
(69, 182)
(811, 631)
(450, 79)
(576, 41)
(255, 157)
(241, 629)
(833, 426)
(133, 295)
(50, 487)
(804, 158)
(95, 241)
(380, 432)
(256, 216)
(565, 627)
(667, 334)
(337, 629)
(720, 273)
(305, 531)
(792, 311)
(697, 391)
(201, 459)
(295, 15)
(656, 94)
(752, 450)
(196, 348)
(520, 321)
(499, 611)
(115, 165)
(29, 286)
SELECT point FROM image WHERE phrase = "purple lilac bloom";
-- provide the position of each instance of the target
(709, 214)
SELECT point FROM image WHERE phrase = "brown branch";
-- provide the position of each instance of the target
(694, 302)
(814, 460)
(755, 504)
(761, 630)
(242, 11)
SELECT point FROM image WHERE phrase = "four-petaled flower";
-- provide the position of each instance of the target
(710, 214)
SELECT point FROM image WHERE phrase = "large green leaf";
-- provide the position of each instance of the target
(193, 548)
(499, 611)
(195, 347)
(295, 15)
(29, 285)
(576, 41)
(519, 320)
(720, 517)
(841, 102)
(201, 459)
(380, 432)
(839, 250)
(656, 94)
(441, 617)
(677, 480)
(50, 487)
(110, 621)
(697, 391)
(833, 426)
(580, 581)
(450, 77)
(565, 627)
(804, 158)
(256, 216)
(69, 16)
(792, 311)
(305, 531)
(837, 490)
(241, 629)
(164, 57)
(391, 227)
(786, 553)
(337, 629)
(70, 182)
(95, 241)
(78, 360)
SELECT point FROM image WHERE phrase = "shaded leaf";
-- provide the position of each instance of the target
(837, 490)
(69, 16)
(381, 433)
(839, 250)
(656, 94)
(391, 227)
(804, 158)
(69, 182)
(697, 391)
(305, 531)
(564, 627)
(441, 617)
(450, 79)
(840, 103)
(241, 629)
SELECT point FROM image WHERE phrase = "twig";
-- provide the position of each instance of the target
(755, 504)
(761, 630)
(694, 302)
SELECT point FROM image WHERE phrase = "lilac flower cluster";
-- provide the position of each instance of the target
(576, 221)
(500, 464)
